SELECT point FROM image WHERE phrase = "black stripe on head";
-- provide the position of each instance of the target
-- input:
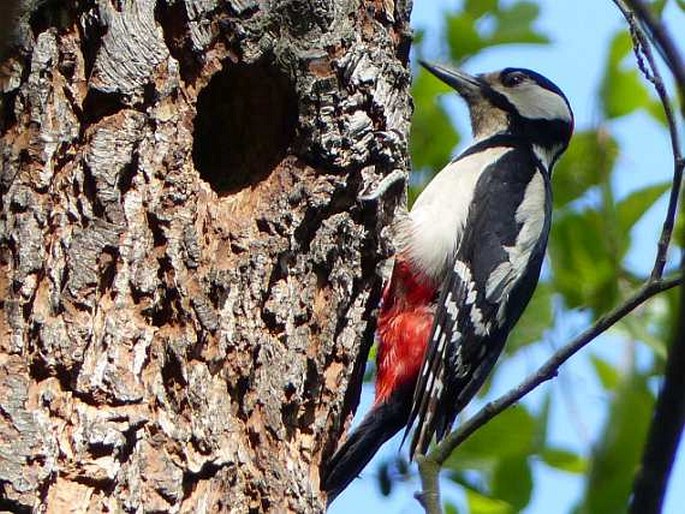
(545, 132)
(497, 99)
(540, 80)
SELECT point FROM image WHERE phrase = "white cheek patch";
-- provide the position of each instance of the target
(535, 102)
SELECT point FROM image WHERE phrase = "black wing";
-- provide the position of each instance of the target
(494, 273)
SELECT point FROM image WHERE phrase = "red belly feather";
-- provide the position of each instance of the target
(404, 325)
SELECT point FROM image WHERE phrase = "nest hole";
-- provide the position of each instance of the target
(245, 122)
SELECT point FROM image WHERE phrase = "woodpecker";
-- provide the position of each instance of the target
(468, 260)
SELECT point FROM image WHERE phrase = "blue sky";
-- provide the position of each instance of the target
(581, 31)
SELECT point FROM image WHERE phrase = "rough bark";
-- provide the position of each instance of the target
(187, 276)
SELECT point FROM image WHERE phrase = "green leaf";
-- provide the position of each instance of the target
(656, 111)
(617, 455)
(511, 434)
(587, 162)
(513, 482)
(467, 480)
(417, 37)
(478, 8)
(679, 229)
(681, 4)
(463, 39)
(536, 319)
(584, 270)
(481, 504)
(622, 90)
(657, 6)
(607, 374)
(636, 328)
(450, 508)
(432, 135)
(564, 460)
(372, 353)
(515, 25)
(506, 25)
(664, 316)
(542, 422)
(634, 206)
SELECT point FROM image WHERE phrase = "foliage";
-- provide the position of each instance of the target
(483, 24)
(622, 91)
(591, 238)
(432, 134)
(479, 25)
(615, 457)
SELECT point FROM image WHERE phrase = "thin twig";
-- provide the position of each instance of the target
(666, 427)
(664, 43)
(651, 72)
(549, 369)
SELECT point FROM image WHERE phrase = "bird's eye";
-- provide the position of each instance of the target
(512, 79)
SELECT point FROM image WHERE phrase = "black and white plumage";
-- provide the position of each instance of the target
(469, 258)
(479, 231)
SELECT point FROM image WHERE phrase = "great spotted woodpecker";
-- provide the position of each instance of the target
(469, 257)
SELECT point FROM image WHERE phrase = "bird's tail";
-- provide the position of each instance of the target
(379, 425)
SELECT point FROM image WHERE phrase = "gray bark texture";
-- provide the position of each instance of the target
(187, 275)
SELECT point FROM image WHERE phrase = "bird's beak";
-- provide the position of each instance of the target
(466, 85)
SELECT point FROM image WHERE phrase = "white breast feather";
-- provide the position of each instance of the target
(432, 231)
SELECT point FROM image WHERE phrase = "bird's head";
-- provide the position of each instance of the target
(514, 101)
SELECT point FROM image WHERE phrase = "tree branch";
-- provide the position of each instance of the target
(651, 72)
(429, 497)
(666, 427)
(548, 370)
(664, 43)
(667, 424)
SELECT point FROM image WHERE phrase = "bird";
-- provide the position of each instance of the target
(469, 254)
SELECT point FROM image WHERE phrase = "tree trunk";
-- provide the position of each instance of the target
(187, 275)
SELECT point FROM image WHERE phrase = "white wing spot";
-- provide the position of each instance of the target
(438, 388)
(471, 298)
(481, 328)
(441, 343)
(461, 369)
(430, 378)
(438, 331)
(530, 214)
(451, 306)
(462, 271)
